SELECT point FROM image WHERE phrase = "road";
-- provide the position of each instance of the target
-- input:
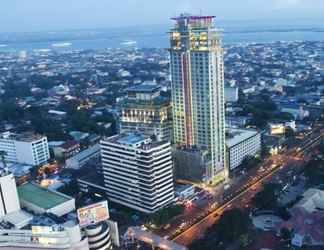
(282, 164)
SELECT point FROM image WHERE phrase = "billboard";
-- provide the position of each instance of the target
(93, 214)
(41, 230)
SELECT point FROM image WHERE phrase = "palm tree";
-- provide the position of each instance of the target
(3, 155)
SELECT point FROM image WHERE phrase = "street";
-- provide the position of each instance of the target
(193, 223)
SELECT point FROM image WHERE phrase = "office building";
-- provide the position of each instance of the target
(197, 74)
(9, 201)
(27, 148)
(240, 144)
(138, 171)
(145, 110)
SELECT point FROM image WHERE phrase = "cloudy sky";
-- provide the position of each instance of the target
(35, 15)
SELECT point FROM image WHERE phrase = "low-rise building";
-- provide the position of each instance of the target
(66, 150)
(307, 220)
(91, 154)
(231, 94)
(240, 144)
(41, 200)
(184, 191)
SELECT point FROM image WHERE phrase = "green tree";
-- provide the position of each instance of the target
(267, 198)
(289, 133)
(285, 234)
(314, 172)
(165, 214)
(231, 225)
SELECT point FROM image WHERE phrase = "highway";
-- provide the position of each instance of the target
(283, 163)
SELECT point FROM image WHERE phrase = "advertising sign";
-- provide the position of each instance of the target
(93, 214)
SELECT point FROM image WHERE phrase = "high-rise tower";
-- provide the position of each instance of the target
(197, 72)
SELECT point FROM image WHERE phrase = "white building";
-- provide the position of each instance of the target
(81, 159)
(27, 148)
(138, 171)
(99, 236)
(240, 144)
(231, 94)
(66, 236)
(9, 201)
(197, 79)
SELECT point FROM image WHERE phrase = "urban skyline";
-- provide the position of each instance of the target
(206, 145)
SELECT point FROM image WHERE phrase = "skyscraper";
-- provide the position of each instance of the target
(197, 72)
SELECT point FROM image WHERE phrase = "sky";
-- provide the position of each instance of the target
(43, 15)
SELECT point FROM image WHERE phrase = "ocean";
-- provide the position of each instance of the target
(156, 37)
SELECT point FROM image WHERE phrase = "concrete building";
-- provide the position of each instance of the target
(41, 200)
(91, 154)
(145, 111)
(184, 191)
(9, 202)
(66, 150)
(307, 220)
(231, 94)
(138, 171)
(25, 148)
(241, 143)
(197, 79)
(66, 237)
(191, 163)
(99, 237)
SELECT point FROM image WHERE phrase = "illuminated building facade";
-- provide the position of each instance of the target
(197, 72)
(145, 111)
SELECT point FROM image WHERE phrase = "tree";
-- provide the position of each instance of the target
(250, 162)
(289, 132)
(285, 234)
(267, 198)
(314, 172)
(166, 214)
(231, 225)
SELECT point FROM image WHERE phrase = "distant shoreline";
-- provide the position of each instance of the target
(151, 39)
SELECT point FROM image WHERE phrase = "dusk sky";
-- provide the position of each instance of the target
(37, 15)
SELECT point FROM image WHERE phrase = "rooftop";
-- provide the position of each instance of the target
(313, 200)
(26, 137)
(191, 17)
(137, 140)
(132, 138)
(144, 88)
(238, 135)
(41, 197)
(155, 103)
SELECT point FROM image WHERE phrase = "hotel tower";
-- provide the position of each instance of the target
(197, 74)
